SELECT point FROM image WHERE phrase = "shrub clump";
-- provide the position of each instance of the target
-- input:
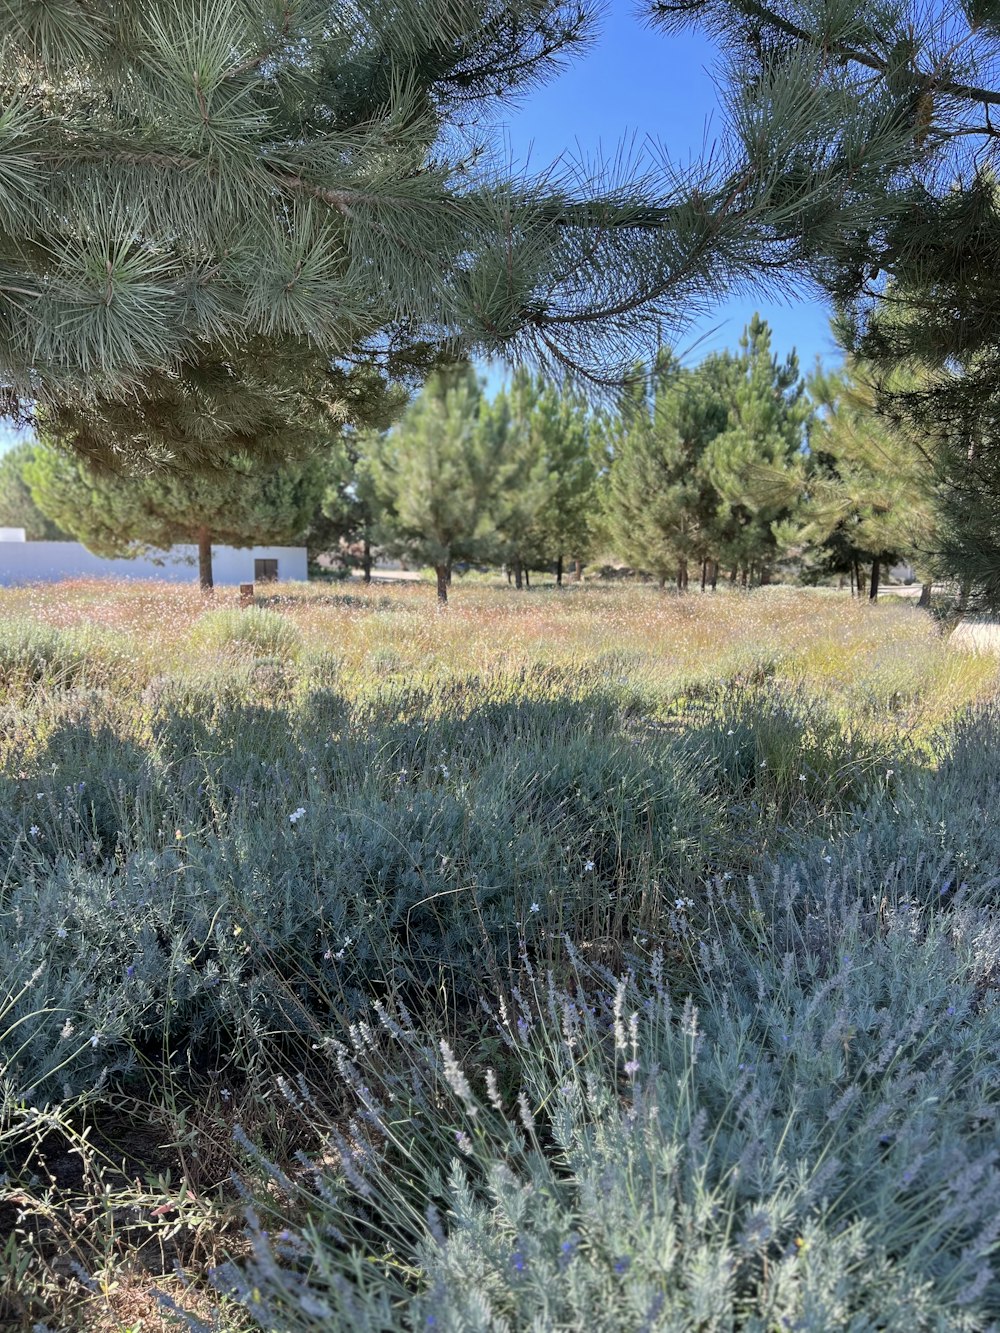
(254, 632)
(807, 1143)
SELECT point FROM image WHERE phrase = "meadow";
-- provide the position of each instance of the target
(588, 959)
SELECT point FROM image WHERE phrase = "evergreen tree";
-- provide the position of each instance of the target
(269, 401)
(539, 434)
(567, 518)
(520, 478)
(439, 477)
(872, 490)
(17, 508)
(760, 447)
(660, 509)
(248, 504)
(180, 176)
(901, 102)
(350, 511)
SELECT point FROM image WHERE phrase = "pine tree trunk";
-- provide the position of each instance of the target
(559, 572)
(577, 571)
(873, 585)
(925, 595)
(715, 574)
(662, 582)
(704, 574)
(442, 583)
(853, 590)
(733, 573)
(518, 575)
(205, 560)
(507, 572)
(448, 573)
(366, 561)
(743, 577)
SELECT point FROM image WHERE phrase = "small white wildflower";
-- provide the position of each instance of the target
(679, 903)
(889, 772)
(535, 907)
(763, 763)
(296, 815)
(35, 831)
(95, 1039)
(60, 932)
(588, 865)
(828, 860)
(445, 771)
(802, 777)
(730, 732)
(67, 1030)
(727, 875)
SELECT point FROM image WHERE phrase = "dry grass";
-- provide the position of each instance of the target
(862, 658)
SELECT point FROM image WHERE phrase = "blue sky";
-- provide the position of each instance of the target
(633, 84)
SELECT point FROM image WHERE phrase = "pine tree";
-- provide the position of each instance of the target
(17, 508)
(872, 489)
(248, 504)
(350, 511)
(901, 102)
(270, 401)
(439, 478)
(520, 478)
(759, 451)
(567, 517)
(660, 509)
(178, 177)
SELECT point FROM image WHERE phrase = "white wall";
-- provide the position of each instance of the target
(48, 562)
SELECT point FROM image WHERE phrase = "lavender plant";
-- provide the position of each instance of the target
(811, 1144)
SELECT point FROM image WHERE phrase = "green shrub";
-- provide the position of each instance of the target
(809, 1143)
(34, 654)
(254, 631)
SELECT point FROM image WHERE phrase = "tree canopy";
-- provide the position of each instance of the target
(17, 507)
(437, 476)
(248, 504)
(903, 103)
(178, 177)
(694, 462)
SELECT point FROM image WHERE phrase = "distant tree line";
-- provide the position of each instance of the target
(737, 469)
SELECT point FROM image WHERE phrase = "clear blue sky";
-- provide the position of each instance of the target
(634, 84)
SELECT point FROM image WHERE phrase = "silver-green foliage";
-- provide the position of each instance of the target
(216, 871)
(811, 1142)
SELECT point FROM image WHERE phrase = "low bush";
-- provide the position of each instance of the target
(809, 1142)
(33, 655)
(254, 631)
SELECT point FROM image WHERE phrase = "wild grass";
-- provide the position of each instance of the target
(261, 863)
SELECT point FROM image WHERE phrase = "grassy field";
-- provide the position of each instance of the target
(596, 959)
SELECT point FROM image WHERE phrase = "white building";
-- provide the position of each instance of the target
(48, 562)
